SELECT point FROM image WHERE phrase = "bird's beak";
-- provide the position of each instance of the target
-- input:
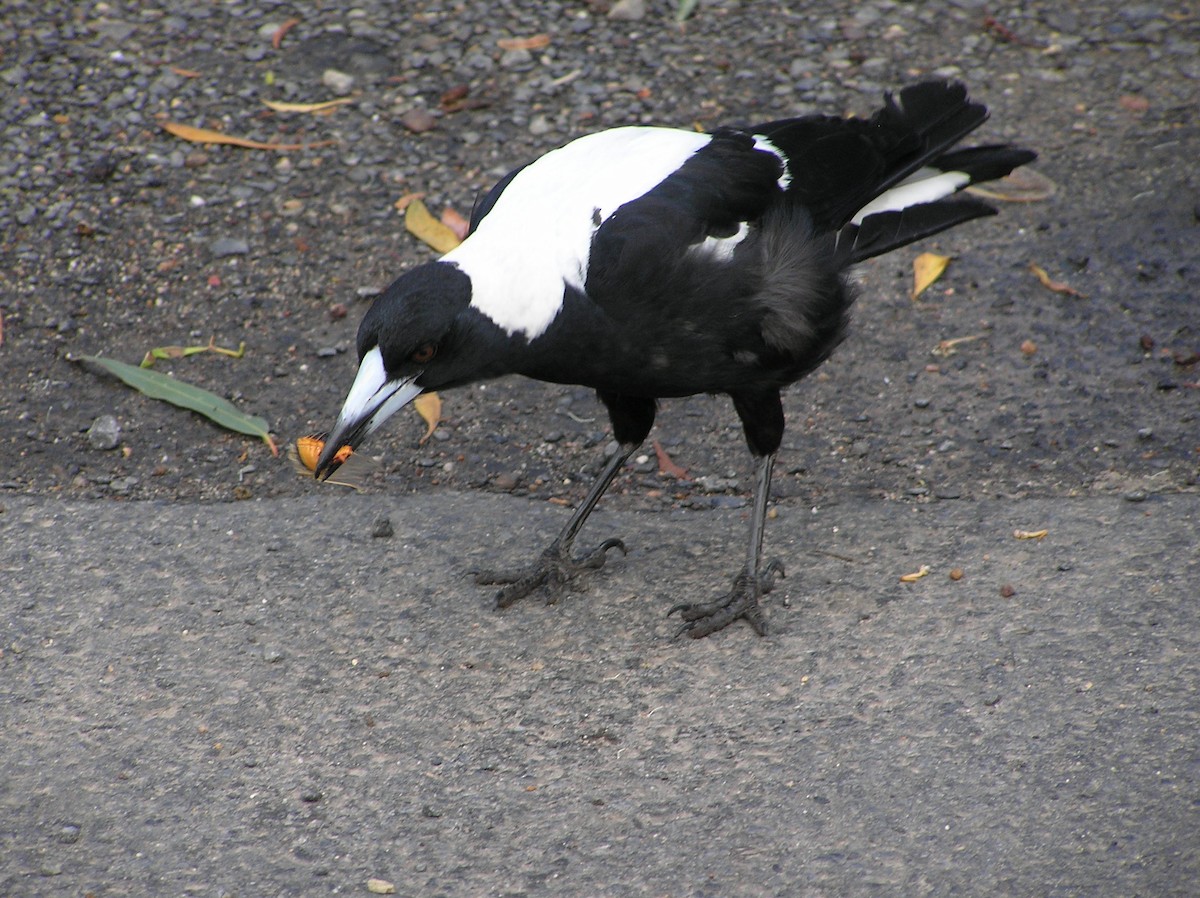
(372, 400)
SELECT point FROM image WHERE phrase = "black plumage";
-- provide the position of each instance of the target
(652, 263)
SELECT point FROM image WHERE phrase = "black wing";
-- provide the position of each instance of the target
(723, 184)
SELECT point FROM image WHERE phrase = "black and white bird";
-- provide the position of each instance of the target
(650, 263)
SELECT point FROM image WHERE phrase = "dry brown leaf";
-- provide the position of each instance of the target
(402, 203)
(533, 42)
(452, 98)
(421, 224)
(277, 37)
(429, 407)
(1030, 534)
(916, 575)
(927, 268)
(1133, 103)
(455, 222)
(1022, 186)
(1056, 286)
(279, 106)
(205, 135)
(666, 465)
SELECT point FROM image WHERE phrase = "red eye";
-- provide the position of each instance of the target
(424, 353)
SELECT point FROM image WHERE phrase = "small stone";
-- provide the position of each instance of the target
(272, 654)
(339, 82)
(539, 125)
(518, 60)
(229, 246)
(505, 481)
(956, 573)
(1007, 591)
(418, 120)
(1135, 496)
(727, 501)
(105, 433)
(628, 10)
(382, 528)
(68, 834)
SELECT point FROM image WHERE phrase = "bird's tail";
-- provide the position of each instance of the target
(892, 179)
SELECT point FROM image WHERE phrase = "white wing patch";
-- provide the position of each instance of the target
(925, 185)
(538, 236)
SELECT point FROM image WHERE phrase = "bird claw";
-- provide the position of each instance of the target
(703, 618)
(554, 570)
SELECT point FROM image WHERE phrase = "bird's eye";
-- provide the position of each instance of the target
(424, 353)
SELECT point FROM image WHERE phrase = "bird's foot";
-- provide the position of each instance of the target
(554, 570)
(702, 618)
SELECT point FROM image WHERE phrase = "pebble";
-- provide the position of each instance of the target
(105, 433)
(382, 528)
(628, 10)
(229, 246)
(418, 120)
(337, 81)
(505, 481)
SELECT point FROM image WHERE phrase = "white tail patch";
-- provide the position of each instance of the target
(924, 186)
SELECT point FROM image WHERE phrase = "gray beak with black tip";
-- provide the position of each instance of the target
(372, 400)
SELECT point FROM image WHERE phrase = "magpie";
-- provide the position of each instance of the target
(648, 263)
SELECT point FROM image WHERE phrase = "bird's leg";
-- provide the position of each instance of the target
(556, 567)
(754, 580)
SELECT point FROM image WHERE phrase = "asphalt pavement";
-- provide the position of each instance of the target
(264, 698)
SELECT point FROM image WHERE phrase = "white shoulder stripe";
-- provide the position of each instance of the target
(537, 238)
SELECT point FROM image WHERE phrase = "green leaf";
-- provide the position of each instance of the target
(215, 408)
(684, 9)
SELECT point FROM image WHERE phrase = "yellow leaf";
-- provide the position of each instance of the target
(204, 135)
(1057, 286)
(380, 887)
(1030, 534)
(533, 42)
(429, 407)
(916, 575)
(279, 106)
(927, 268)
(421, 224)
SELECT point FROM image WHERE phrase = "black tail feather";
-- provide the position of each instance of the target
(886, 231)
(839, 165)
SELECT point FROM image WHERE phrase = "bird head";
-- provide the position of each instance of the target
(414, 338)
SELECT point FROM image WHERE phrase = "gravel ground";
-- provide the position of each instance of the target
(118, 237)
